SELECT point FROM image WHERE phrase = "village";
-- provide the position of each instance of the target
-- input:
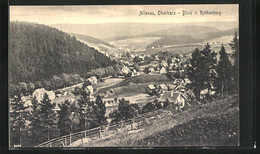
(173, 89)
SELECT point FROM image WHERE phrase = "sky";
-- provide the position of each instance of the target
(97, 14)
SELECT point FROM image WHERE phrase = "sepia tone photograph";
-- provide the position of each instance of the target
(138, 76)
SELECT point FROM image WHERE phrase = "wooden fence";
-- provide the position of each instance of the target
(78, 138)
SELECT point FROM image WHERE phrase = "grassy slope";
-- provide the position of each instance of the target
(214, 123)
(136, 84)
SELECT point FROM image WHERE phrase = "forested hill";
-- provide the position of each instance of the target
(39, 52)
(174, 40)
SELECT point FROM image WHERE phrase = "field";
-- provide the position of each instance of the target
(134, 85)
(214, 123)
(139, 43)
(180, 49)
(189, 48)
(132, 89)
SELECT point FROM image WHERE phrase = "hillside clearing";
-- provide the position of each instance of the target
(134, 85)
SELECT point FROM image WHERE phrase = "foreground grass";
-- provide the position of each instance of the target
(214, 123)
(210, 131)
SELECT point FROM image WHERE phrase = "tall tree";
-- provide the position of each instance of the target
(35, 124)
(18, 117)
(65, 122)
(83, 102)
(209, 63)
(195, 73)
(235, 47)
(125, 111)
(201, 69)
(99, 110)
(224, 70)
(47, 117)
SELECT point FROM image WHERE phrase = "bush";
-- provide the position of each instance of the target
(23, 87)
(148, 107)
(38, 84)
(30, 87)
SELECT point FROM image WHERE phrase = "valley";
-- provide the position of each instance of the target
(102, 75)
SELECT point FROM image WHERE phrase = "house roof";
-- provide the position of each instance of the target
(39, 94)
(151, 86)
(164, 64)
(187, 80)
(171, 86)
(92, 79)
(151, 69)
(179, 87)
(170, 95)
(163, 86)
(89, 87)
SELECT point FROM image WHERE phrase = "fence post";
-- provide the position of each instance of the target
(100, 133)
(65, 142)
(82, 138)
(85, 134)
(70, 138)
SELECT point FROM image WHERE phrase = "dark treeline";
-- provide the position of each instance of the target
(38, 52)
(206, 72)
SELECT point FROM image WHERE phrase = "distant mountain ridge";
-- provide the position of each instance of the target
(111, 31)
(193, 31)
(39, 52)
(190, 39)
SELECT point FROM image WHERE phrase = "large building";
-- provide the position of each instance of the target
(176, 98)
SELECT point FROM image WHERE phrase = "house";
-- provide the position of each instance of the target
(114, 55)
(171, 87)
(39, 94)
(161, 64)
(163, 70)
(162, 87)
(176, 98)
(125, 70)
(180, 88)
(28, 105)
(151, 70)
(178, 82)
(92, 80)
(89, 89)
(150, 88)
(204, 92)
(56, 108)
(187, 81)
